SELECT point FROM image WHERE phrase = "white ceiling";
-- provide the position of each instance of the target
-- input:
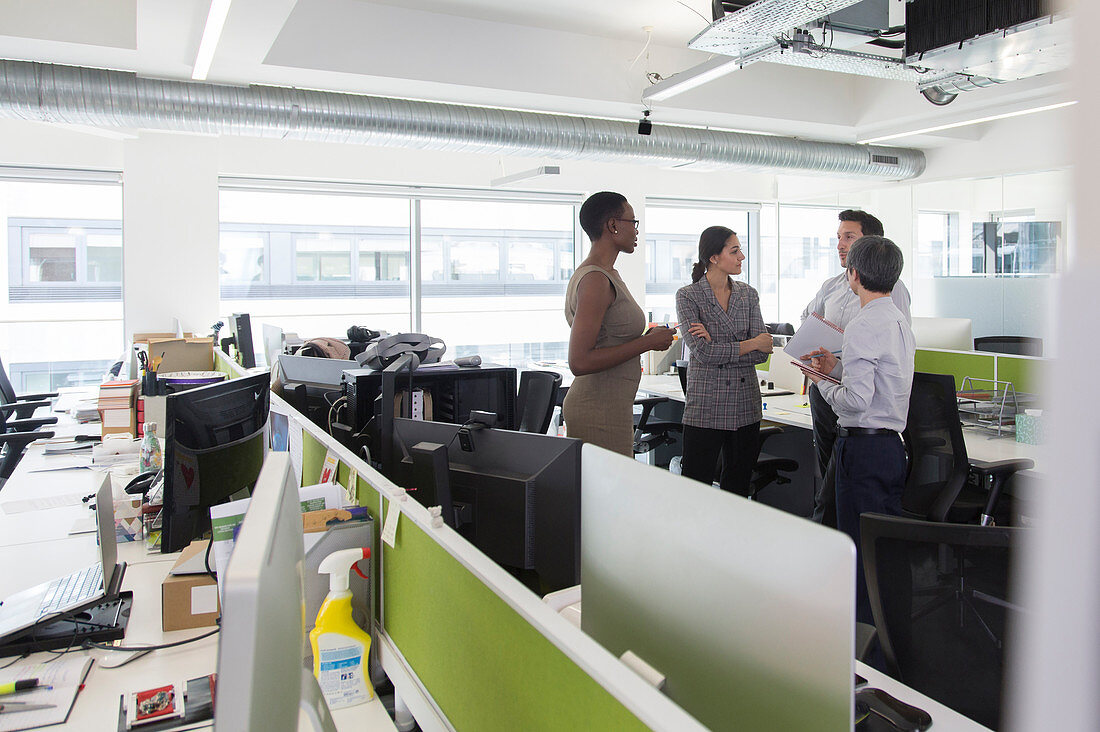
(566, 56)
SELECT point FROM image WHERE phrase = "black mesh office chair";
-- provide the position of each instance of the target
(538, 393)
(769, 469)
(24, 405)
(1015, 345)
(937, 487)
(951, 646)
(780, 328)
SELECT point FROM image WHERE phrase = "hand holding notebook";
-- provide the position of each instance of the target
(814, 333)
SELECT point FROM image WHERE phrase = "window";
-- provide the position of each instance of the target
(672, 229)
(493, 270)
(494, 275)
(61, 316)
(64, 259)
(938, 247)
(801, 254)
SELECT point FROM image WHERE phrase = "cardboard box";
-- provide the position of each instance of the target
(189, 600)
(181, 354)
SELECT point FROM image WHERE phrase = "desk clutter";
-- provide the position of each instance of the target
(57, 683)
(993, 405)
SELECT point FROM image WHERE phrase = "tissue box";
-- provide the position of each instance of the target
(1029, 429)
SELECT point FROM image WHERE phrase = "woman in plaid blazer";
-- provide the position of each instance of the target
(725, 333)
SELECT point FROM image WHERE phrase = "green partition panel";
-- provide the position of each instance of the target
(484, 665)
(1026, 374)
(764, 366)
(957, 363)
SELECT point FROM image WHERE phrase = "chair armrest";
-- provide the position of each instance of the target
(35, 397)
(23, 410)
(26, 425)
(647, 404)
(19, 440)
(1002, 467)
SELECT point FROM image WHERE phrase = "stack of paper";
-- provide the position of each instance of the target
(116, 406)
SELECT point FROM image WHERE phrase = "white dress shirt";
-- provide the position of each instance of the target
(876, 374)
(836, 302)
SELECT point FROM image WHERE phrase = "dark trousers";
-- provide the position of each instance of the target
(739, 449)
(870, 476)
(824, 437)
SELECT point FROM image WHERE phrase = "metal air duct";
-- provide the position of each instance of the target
(118, 99)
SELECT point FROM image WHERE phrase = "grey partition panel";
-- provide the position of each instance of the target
(748, 611)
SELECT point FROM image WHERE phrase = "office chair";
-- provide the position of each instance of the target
(780, 328)
(769, 469)
(650, 433)
(952, 647)
(12, 447)
(937, 486)
(538, 392)
(24, 405)
(1015, 345)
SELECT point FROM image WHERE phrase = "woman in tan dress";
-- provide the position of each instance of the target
(605, 337)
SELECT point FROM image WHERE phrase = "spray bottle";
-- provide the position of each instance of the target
(340, 647)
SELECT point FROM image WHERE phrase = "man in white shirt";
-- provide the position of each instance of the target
(836, 302)
(872, 398)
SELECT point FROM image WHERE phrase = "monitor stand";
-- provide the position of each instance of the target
(100, 623)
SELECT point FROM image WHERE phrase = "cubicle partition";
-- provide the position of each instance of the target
(1025, 372)
(465, 643)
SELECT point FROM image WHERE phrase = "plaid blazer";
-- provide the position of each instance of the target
(723, 390)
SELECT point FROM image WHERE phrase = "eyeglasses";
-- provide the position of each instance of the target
(636, 222)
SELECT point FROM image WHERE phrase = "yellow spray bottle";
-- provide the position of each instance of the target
(341, 648)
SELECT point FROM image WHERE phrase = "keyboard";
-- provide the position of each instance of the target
(64, 592)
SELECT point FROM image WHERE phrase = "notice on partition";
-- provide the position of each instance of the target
(226, 518)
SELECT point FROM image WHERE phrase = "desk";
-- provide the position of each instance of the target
(981, 446)
(35, 547)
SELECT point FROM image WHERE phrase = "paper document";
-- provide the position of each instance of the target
(813, 334)
(226, 518)
(65, 674)
(38, 504)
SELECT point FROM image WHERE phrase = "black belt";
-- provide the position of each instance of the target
(854, 431)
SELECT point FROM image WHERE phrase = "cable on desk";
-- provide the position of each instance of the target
(15, 660)
(133, 649)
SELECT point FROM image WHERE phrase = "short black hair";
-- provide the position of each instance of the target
(596, 211)
(877, 261)
(868, 224)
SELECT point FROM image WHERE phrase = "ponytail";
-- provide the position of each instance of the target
(698, 270)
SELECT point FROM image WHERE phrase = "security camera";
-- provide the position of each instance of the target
(645, 127)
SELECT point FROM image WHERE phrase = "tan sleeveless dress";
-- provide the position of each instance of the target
(599, 407)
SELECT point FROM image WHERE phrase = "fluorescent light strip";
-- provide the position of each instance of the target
(953, 125)
(215, 21)
(691, 78)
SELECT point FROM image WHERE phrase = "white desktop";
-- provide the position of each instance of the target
(948, 333)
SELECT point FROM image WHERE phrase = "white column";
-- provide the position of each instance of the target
(170, 233)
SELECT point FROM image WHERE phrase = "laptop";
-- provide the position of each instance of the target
(83, 588)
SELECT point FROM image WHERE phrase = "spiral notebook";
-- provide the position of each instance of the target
(814, 333)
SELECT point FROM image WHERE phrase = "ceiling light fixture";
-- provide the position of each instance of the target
(527, 174)
(645, 127)
(966, 123)
(691, 78)
(215, 21)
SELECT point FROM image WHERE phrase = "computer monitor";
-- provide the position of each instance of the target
(213, 450)
(240, 325)
(948, 333)
(516, 495)
(274, 343)
(262, 679)
(748, 611)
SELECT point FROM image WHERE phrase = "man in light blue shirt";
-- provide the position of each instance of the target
(836, 303)
(871, 400)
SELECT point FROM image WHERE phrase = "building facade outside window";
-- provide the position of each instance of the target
(61, 314)
(492, 273)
